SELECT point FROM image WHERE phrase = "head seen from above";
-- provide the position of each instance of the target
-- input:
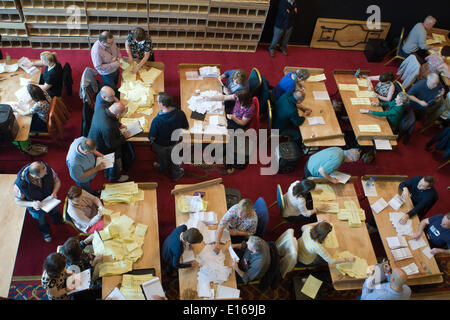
(352, 155)
(192, 236)
(244, 97)
(36, 93)
(302, 188)
(387, 77)
(74, 192)
(107, 93)
(425, 183)
(429, 22)
(88, 146)
(254, 244)
(432, 80)
(139, 35)
(245, 207)
(239, 77)
(301, 75)
(106, 38)
(299, 95)
(320, 231)
(37, 170)
(446, 221)
(165, 100)
(54, 264)
(49, 58)
(401, 99)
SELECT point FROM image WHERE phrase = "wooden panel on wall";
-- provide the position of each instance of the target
(345, 34)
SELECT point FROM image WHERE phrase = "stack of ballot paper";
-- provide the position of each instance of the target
(333, 207)
(217, 121)
(372, 128)
(397, 242)
(127, 192)
(209, 72)
(49, 203)
(23, 96)
(313, 121)
(224, 292)
(209, 217)
(362, 82)
(396, 202)
(149, 76)
(382, 144)
(321, 95)
(187, 204)
(356, 269)
(152, 287)
(327, 193)
(340, 176)
(364, 94)
(233, 254)
(82, 281)
(416, 244)
(215, 130)
(401, 254)
(25, 61)
(401, 229)
(108, 160)
(193, 75)
(360, 101)
(131, 286)
(411, 269)
(201, 105)
(316, 78)
(379, 205)
(348, 87)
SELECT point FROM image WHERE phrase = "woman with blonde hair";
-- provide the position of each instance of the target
(241, 221)
(52, 76)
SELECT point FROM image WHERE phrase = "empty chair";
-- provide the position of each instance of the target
(58, 116)
(254, 81)
(400, 43)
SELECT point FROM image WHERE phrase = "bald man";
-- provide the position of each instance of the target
(81, 160)
(394, 289)
(423, 93)
(105, 98)
(105, 131)
(34, 183)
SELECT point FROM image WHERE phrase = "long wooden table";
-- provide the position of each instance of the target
(8, 89)
(187, 90)
(442, 44)
(11, 222)
(354, 240)
(158, 86)
(356, 117)
(387, 187)
(329, 134)
(144, 212)
(216, 201)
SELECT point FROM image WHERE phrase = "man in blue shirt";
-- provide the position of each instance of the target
(286, 118)
(284, 24)
(169, 119)
(423, 196)
(326, 161)
(289, 82)
(423, 93)
(81, 160)
(394, 289)
(437, 230)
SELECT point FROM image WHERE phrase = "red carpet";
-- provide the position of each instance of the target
(406, 160)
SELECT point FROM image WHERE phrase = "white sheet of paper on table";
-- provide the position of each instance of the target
(411, 269)
(24, 81)
(233, 254)
(217, 121)
(224, 292)
(340, 176)
(115, 295)
(379, 205)
(312, 121)
(209, 71)
(23, 95)
(321, 95)
(362, 82)
(317, 78)
(396, 242)
(134, 129)
(416, 244)
(364, 94)
(49, 203)
(396, 202)
(197, 127)
(188, 256)
(382, 144)
(427, 253)
(360, 101)
(108, 160)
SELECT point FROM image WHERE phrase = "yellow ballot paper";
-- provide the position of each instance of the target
(311, 287)
(360, 101)
(362, 82)
(356, 269)
(369, 128)
(113, 268)
(333, 207)
(131, 286)
(327, 193)
(348, 87)
(364, 94)
(438, 37)
(316, 78)
(149, 76)
(331, 241)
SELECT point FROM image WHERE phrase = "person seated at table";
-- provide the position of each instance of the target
(290, 82)
(254, 259)
(236, 80)
(286, 118)
(437, 230)
(106, 57)
(105, 131)
(417, 39)
(81, 161)
(35, 182)
(310, 248)
(423, 93)
(394, 111)
(52, 75)
(40, 109)
(79, 259)
(442, 140)
(323, 163)
(241, 221)
(54, 277)
(394, 289)
(422, 193)
(385, 88)
(179, 240)
(85, 210)
(169, 119)
(139, 47)
(435, 63)
(298, 201)
(105, 98)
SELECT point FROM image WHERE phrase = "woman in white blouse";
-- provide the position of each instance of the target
(296, 203)
(85, 210)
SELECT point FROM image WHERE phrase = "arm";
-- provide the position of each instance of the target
(56, 186)
(390, 94)
(90, 172)
(142, 62)
(97, 61)
(307, 111)
(326, 176)
(240, 122)
(127, 48)
(218, 237)
(422, 226)
(225, 97)
(421, 102)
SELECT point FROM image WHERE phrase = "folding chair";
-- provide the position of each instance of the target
(397, 56)
(68, 220)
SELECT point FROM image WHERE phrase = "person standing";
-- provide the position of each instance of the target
(139, 47)
(106, 59)
(284, 24)
(105, 98)
(34, 183)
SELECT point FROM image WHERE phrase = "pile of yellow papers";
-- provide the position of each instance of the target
(356, 269)
(331, 241)
(352, 213)
(362, 82)
(333, 207)
(131, 286)
(316, 78)
(311, 287)
(127, 192)
(113, 268)
(364, 94)
(348, 87)
(360, 101)
(136, 91)
(149, 76)
(327, 193)
(369, 128)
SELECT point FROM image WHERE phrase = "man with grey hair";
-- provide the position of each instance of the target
(290, 82)
(394, 289)
(105, 131)
(254, 259)
(105, 98)
(416, 41)
(81, 161)
(286, 117)
(423, 93)
(323, 163)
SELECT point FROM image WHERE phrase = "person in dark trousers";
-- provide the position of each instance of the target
(106, 132)
(169, 119)
(173, 247)
(34, 183)
(422, 193)
(284, 24)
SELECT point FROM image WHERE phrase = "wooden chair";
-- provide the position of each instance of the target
(58, 116)
(68, 220)
(397, 56)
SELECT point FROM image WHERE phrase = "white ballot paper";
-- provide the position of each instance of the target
(411, 269)
(11, 67)
(217, 121)
(416, 244)
(24, 81)
(152, 287)
(188, 256)
(312, 121)
(340, 176)
(209, 72)
(397, 242)
(49, 203)
(396, 202)
(321, 95)
(224, 292)
(233, 254)
(382, 144)
(108, 160)
(133, 129)
(25, 61)
(427, 252)
(82, 280)
(379, 205)
(23, 95)
(115, 295)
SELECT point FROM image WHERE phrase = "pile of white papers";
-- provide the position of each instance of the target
(197, 127)
(49, 203)
(411, 269)
(82, 280)
(8, 67)
(396, 202)
(24, 81)
(224, 292)
(25, 61)
(381, 144)
(340, 176)
(379, 205)
(397, 242)
(217, 121)
(212, 129)
(209, 72)
(312, 121)
(201, 105)
(416, 244)
(427, 252)
(321, 95)
(152, 287)
(23, 96)
(108, 160)
(401, 254)
(402, 229)
(193, 75)
(207, 217)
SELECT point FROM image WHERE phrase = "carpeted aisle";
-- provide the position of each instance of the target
(408, 160)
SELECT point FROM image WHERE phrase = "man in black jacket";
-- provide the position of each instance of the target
(105, 131)
(284, 23)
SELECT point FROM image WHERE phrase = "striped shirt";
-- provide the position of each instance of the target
(308, 249)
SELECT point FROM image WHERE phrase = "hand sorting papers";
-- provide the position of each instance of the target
(340, 176)
(108, 160)
(401, 229)
(49, 203)
(202, 105)
(132, 129)
(416, 244)
(396, 202)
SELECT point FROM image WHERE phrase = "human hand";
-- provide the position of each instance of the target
(100, 167)
(127, 134)
(334, 180)
(217, 248)
(116, 63)
(156, 297)
(135, 70)
(405, 194)
(423, 103)
(194, 264)
(70, 283)
(416, 235)
(229, 115)
(37, 205)
(404, 219)
(435, 251)
(351, 259)
(308, 112)
(364, 110)
(323, 207)
(318, 190)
